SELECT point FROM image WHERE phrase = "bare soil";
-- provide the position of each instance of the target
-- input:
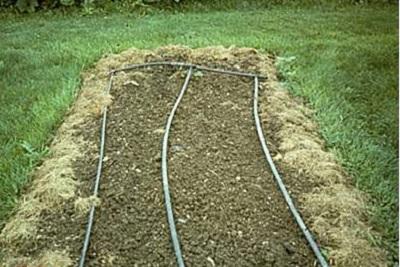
(228, 209)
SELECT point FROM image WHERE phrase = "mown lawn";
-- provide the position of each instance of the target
(343, 61)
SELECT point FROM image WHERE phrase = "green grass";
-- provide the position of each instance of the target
(343, 61)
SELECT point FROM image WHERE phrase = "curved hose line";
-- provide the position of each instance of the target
(280, 183)
(164, 173)
(97, 180)
(188, 65)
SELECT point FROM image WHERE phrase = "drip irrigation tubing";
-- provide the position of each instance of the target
(164, 173)
(164, 162)
(188, 65)
(280, 183)
(97, 180)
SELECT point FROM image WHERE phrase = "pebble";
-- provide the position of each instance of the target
(182, 220)
(132, 82)
(177, 148)
(209, 259)
(159, 131)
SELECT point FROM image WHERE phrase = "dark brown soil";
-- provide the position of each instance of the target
(131, 225)
(227, 206)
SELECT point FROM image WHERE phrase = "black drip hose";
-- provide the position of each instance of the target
(164, 173)
(97, 180)
(280, 183)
